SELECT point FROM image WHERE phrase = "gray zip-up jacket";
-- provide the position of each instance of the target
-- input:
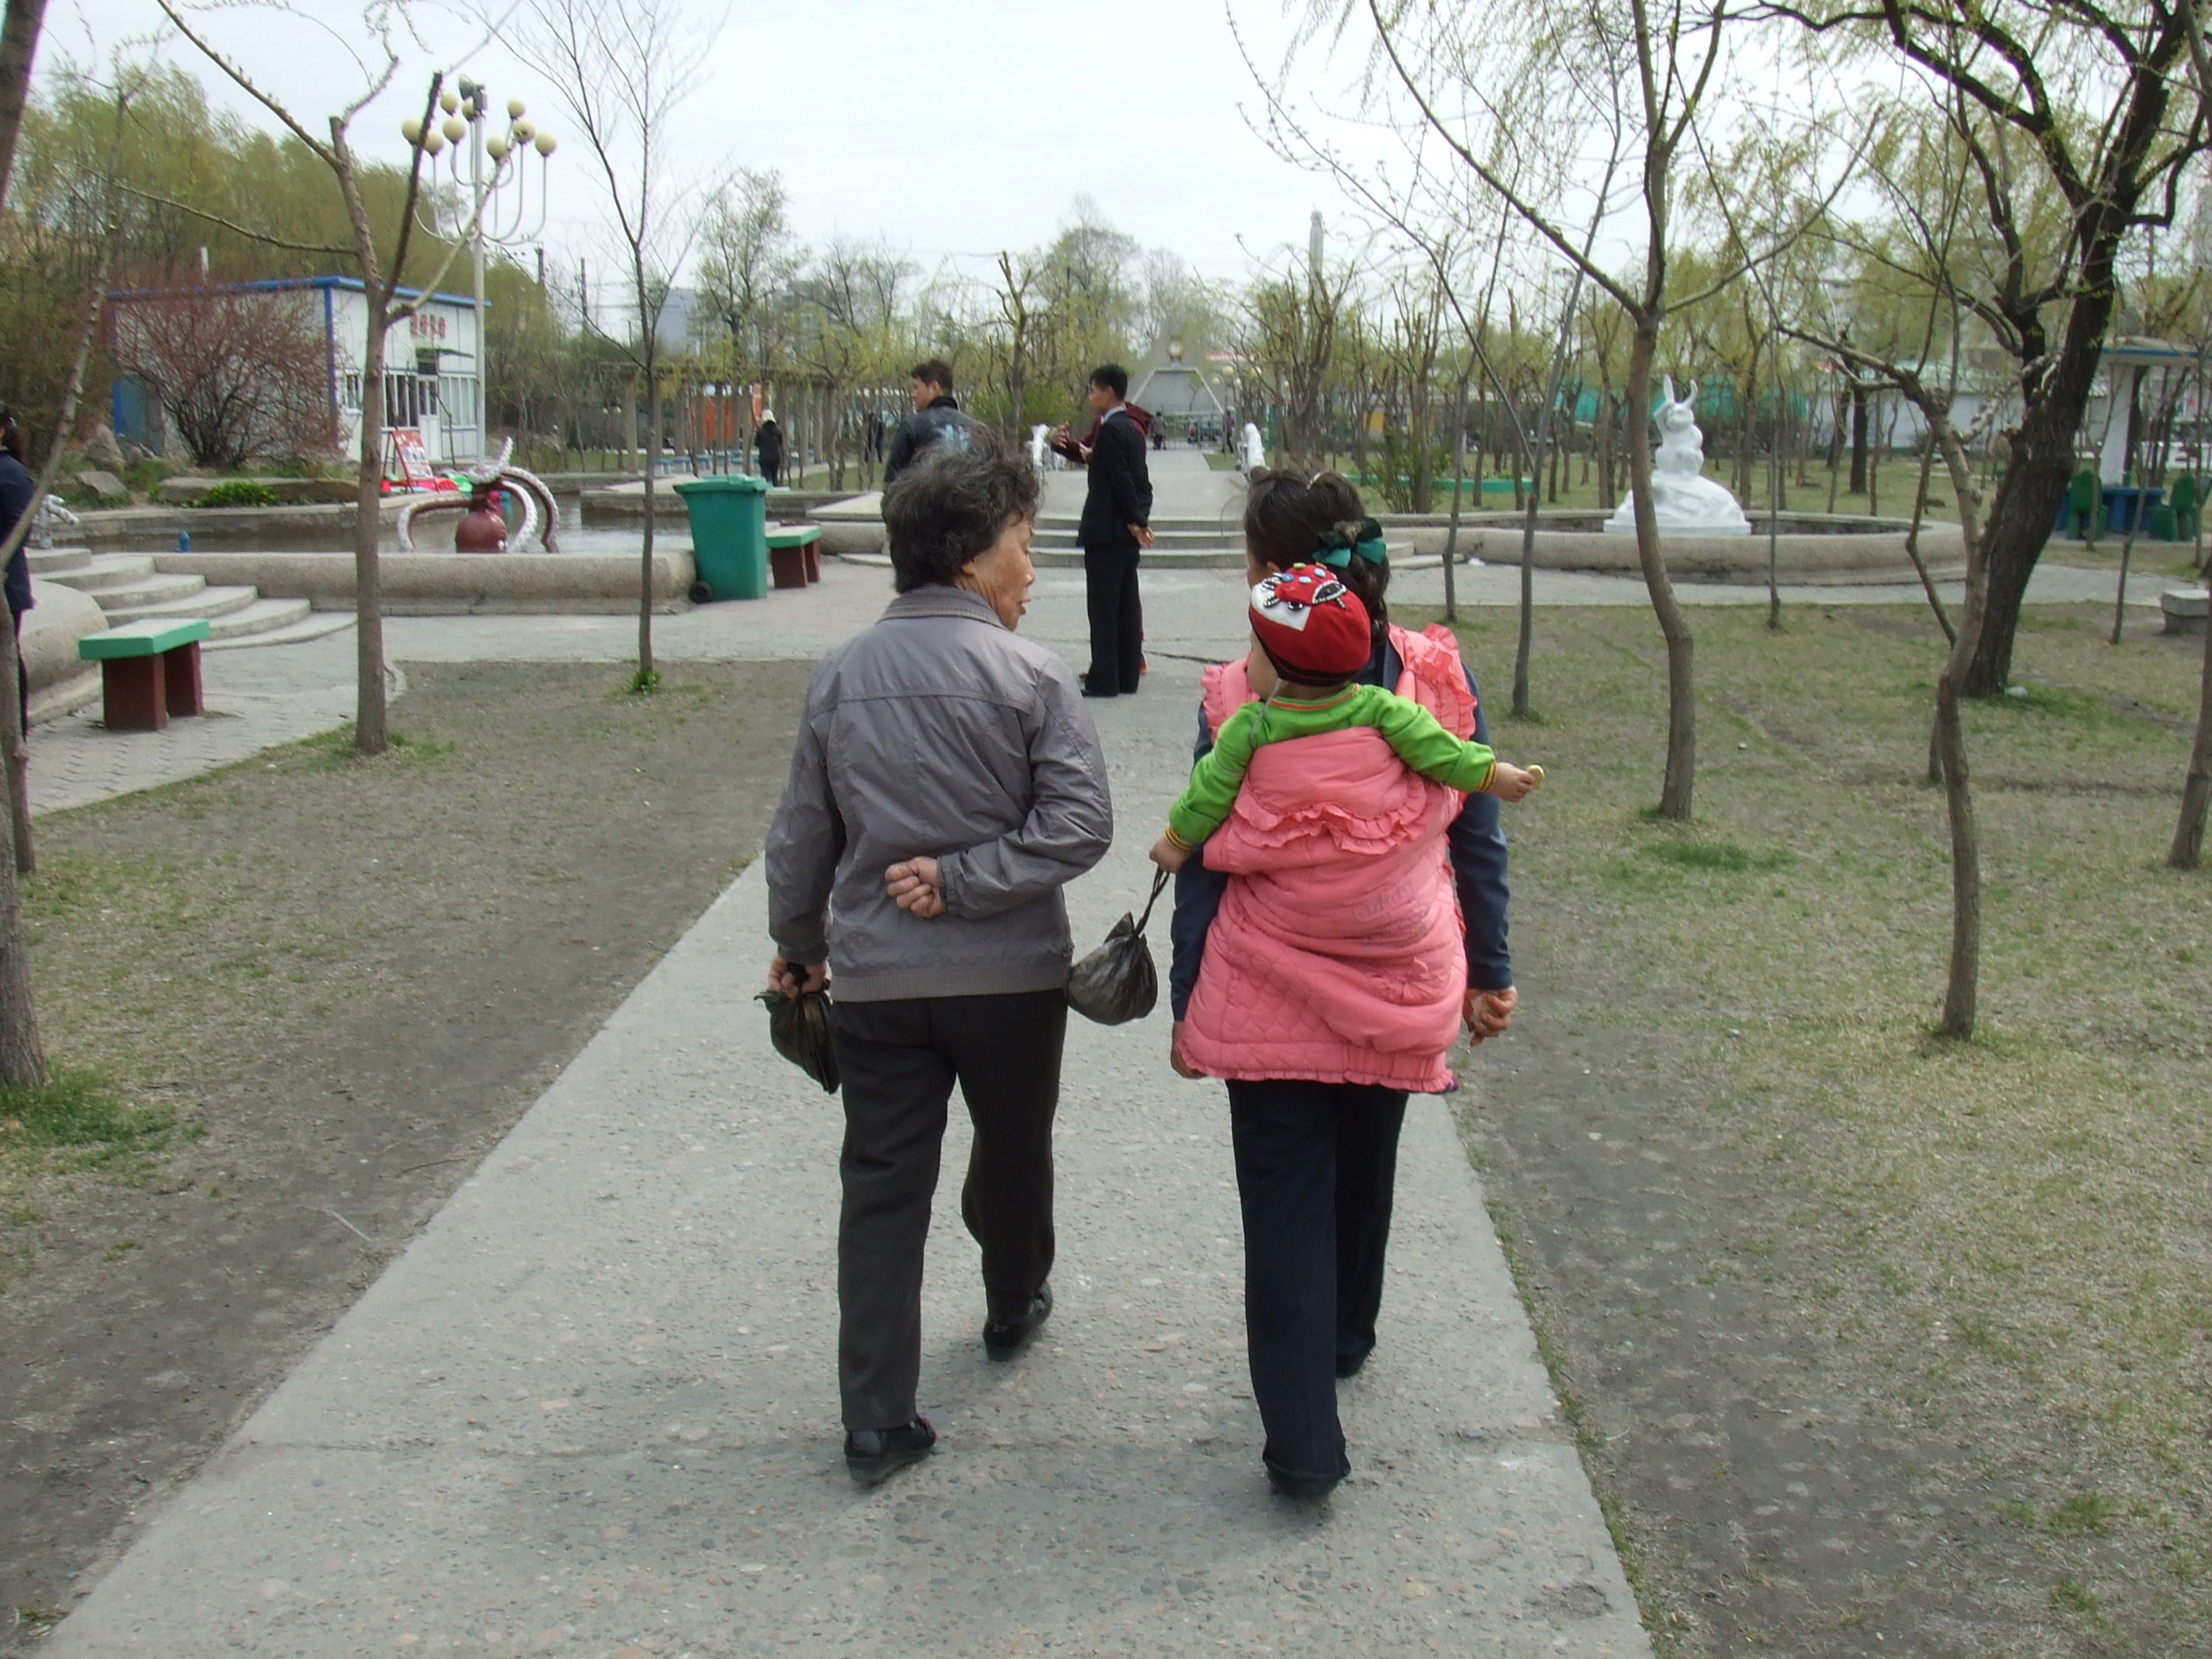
(938, 732)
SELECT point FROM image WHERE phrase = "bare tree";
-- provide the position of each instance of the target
(381, 22)
(1948, 747)
(621, 71)
(1670, 52)
(1288, 335)
(2080, 124)
(241, 373)
(748, 262)
(1016, 292)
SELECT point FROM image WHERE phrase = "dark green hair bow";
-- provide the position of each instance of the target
(1336, 547)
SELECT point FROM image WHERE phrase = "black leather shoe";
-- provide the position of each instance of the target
(873, 1455)
(1091, 690)
(1308, 1488)
(1348, 1364)
(1004, 1338)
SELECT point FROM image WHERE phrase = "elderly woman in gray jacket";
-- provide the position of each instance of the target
(948, 783)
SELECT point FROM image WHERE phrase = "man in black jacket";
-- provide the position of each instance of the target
(1117, 511)
(936, 418)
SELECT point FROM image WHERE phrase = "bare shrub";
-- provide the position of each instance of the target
(241, 373)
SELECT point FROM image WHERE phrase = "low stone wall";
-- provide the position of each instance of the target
(145, 528)
(1873, 554)
(854, 524)
(60, 679)
(453, 584)
(624, 503)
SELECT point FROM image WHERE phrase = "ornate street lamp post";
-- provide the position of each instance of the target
(488, 216)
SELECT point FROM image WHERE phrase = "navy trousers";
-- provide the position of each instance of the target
(1316, 1164)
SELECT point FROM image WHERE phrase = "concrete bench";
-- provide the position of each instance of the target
(794, 554)
(2183, 609)
(149, 670)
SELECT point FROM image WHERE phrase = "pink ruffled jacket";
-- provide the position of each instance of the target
(1338, 954)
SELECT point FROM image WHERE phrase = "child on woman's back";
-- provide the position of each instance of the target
(1311, 635)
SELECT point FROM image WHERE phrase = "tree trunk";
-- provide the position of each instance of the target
(19, 46)
(370, 733)
(2036, 479)
(1451, 531)
(2197, 791)
(13, 727)
(1680, 781)
(1858, 438)
(645, 669)
(22, 1060)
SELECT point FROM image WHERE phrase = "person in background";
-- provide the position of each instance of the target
(768, 444)
(1116, 527)
(17, 488)
(947, 784)
(937, 418)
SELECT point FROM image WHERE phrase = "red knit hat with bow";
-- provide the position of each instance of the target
(1312, 627)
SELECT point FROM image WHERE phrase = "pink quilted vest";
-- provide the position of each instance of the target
(1338, 954)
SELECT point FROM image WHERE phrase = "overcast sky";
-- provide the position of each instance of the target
(941, 126)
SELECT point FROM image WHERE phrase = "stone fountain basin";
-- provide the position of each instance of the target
(1809, 546)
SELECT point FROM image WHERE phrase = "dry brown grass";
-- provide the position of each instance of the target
(1983, 1270)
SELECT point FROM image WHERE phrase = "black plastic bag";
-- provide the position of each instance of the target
(1116, 982)
(800, 1028)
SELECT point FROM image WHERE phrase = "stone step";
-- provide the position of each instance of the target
(1046, 558)
(105, 570)
(1155, 558)
(259, 616)
(45, 560)
(1228, 527)
(1194, 539)
(148, 590)
(201, 601)
(314, 626)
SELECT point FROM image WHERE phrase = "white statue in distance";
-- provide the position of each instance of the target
(1685, 501)
(1256, 449)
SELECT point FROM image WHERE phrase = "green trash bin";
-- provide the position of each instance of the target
(729, 537)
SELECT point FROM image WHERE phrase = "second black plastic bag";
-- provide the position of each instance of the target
(1117, 983)
(800, 1028)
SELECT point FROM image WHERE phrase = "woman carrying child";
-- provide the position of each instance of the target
(1331, 937)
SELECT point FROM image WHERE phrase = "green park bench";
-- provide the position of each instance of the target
(149, 670)
(794, 554)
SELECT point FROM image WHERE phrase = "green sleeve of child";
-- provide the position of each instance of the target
(1205, 804)
(1420, 740)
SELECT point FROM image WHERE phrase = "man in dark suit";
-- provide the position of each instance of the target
(1117, 511)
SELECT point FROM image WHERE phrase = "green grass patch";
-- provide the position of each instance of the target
(334, 748)
(238, 492)
(1722, 857)
(79, 1113)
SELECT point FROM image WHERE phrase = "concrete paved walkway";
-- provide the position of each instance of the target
(591, 1410)
(255, 699)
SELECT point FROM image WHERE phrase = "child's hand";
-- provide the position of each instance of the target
(1169, 856)
(1509, 782)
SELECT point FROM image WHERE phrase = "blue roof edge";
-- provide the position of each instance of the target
(277, 283)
